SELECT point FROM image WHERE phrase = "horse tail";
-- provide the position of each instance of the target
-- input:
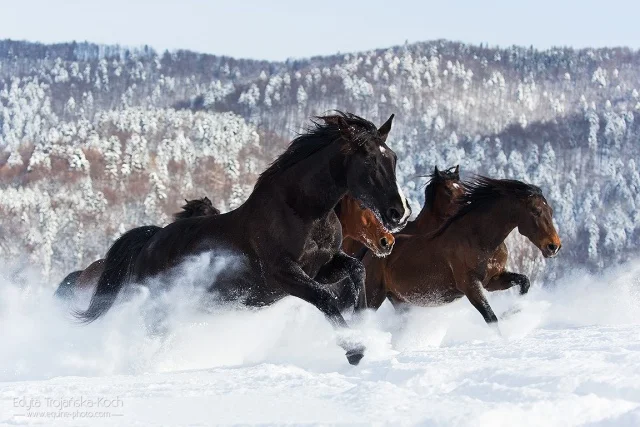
(361, 253)
(118, 266)
(66, 287)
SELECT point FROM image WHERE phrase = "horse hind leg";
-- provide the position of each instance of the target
(507, 280)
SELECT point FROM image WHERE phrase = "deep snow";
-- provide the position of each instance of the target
(569, 356)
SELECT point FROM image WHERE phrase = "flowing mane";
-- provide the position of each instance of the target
(196, 207)
(324, 131)
(482, 191)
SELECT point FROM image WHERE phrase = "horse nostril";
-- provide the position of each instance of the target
(553, 248)
(384, 242)
(394, 214)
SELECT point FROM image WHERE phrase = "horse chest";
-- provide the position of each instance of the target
(320, 247)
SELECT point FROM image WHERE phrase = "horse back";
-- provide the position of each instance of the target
(188, 237)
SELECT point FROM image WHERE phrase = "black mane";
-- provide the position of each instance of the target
(434, 179)
(481, 191)
(324, 131)
(196, 207)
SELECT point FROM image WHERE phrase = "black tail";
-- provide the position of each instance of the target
(66, 287)
(117, 270)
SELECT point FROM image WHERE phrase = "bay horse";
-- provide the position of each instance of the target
(87, 278)
(453, 260)
(285, 238)
(441, 193)
(361, 227)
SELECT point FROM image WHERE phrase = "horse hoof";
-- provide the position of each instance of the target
(354, 356)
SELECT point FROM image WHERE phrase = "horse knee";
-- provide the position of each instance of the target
(358, 271)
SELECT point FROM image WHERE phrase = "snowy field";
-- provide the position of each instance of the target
(569, 356)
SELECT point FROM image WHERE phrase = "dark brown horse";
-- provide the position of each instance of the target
(285, 238)
(361, 227)
(87, 278)
(453, 261)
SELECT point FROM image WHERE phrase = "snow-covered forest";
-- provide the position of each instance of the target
(98, 139)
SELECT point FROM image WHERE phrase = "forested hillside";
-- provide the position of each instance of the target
(97, 139)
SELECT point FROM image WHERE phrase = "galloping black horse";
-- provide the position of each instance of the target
(286, 237)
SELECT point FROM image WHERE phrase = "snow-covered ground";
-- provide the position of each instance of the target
(569, 356)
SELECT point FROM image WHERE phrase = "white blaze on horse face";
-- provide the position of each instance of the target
(405, 205)
(455, 185)
(382, 149)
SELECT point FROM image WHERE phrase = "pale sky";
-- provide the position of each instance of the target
(276, 30)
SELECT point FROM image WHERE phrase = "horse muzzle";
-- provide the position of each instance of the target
(551, 250)
(384, 247)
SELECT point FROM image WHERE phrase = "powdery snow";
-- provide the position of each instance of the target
(568, 355)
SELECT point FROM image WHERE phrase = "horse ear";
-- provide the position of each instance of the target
(386, 128)
(457, 171)
(436, 171)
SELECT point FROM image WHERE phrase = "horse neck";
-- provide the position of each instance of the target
(313, 186)
(491, 225)
(429, 218)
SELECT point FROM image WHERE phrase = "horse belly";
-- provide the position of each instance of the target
(239, 278)
(423, 282)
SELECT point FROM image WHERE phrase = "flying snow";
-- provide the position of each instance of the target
(568, 355)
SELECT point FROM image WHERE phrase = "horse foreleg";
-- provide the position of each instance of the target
(292, 279)
(346, 274)
(507, 280)
(472, 288)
